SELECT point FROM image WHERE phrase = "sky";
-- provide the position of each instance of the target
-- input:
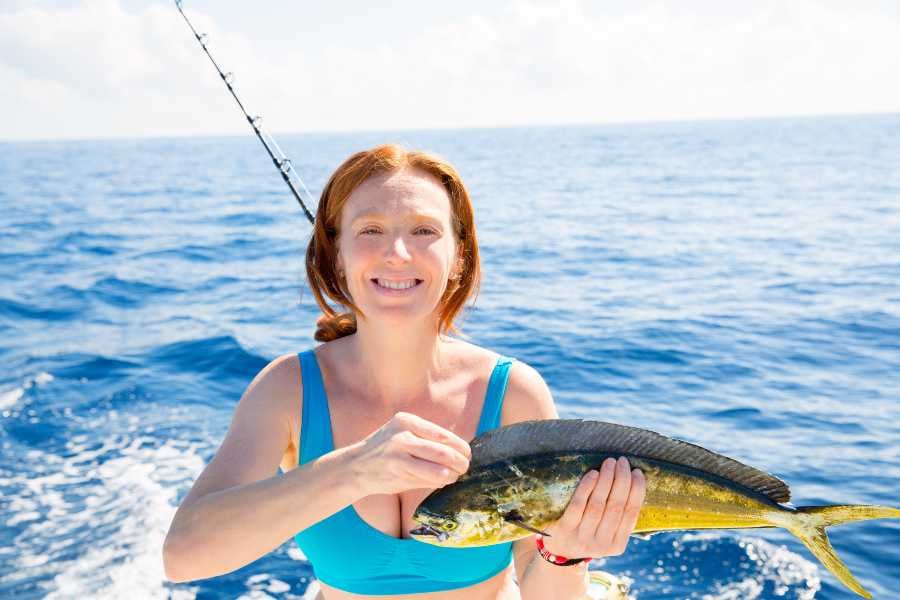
(96, 69)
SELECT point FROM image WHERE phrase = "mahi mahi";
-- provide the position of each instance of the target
(522, 476)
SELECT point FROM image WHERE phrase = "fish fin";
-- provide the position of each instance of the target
(838, 514)
(616, 588)
(577, 435)
(810, 528)
(528, 527)
(644, 535)
(514, 517)
(817, 541)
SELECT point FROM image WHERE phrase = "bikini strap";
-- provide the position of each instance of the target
(315, 425)
(493, 398)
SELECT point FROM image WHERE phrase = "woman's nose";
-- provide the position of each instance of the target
(398, 249)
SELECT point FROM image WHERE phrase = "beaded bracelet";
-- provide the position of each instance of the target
(554, 559)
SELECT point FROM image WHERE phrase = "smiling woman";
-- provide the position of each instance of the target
(389, 402)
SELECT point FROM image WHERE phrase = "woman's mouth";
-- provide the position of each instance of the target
(395, 287)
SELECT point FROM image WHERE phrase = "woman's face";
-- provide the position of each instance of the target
(396, 245)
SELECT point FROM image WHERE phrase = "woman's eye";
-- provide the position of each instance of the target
(419, 231)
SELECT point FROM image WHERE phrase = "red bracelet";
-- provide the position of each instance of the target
(554, 559)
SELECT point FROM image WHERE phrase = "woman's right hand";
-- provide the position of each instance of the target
(408, 452)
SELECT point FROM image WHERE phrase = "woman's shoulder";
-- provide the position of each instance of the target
(280, 383)
(281, 372)
(527, 395)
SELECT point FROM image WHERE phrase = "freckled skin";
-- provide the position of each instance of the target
(539, 487)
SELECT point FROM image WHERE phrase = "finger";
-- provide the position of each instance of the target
(632, 511)
(596, 502)
(427, 474)
(571, 517)
(615, 503)
(434, 432)
(436, 452)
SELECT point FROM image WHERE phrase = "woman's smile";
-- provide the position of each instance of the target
(395, 287)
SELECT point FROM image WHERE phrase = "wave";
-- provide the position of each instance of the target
(9, 398)
(123, 492)
(211, 356)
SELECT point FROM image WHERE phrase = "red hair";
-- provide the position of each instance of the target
(321, 254)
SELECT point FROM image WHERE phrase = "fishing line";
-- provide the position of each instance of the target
(282, 162)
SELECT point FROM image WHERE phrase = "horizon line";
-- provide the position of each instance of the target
(663, 121)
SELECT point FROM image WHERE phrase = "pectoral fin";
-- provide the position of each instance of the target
(514, 517)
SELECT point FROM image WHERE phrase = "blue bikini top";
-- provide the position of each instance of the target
(385, 564)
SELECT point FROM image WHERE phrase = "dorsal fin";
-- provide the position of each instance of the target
(577, 435)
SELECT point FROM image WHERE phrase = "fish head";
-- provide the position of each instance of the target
(434, 528)
(436, 516)
(450, 517)
(463, 529)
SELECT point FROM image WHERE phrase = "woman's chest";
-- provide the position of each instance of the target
(456, 409)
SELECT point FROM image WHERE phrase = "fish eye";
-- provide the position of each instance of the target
(449, 525)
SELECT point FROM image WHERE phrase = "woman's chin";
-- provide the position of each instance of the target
(399, 315)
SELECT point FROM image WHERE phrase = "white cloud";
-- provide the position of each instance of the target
(97, 70)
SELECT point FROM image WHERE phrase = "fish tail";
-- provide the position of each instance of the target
(839, 514)
(810, 528)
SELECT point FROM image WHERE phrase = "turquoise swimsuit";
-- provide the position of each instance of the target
(349, 554)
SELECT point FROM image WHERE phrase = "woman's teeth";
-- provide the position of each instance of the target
(397, 285)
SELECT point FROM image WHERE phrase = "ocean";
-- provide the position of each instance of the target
(735, 284)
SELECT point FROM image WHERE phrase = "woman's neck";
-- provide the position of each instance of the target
(396, 365)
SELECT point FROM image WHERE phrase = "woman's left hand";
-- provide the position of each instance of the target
(601, 514)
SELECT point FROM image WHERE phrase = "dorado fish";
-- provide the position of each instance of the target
(522, 476)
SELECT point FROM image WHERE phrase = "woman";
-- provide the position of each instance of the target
(389, 402)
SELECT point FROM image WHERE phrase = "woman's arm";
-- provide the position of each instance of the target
(239, 509)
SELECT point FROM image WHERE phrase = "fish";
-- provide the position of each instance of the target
(521, 477)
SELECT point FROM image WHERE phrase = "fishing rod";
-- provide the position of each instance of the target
(282, 162)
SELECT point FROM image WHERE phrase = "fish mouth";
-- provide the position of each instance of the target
(427, 530)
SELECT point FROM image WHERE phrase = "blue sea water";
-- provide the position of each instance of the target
(735, 284)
